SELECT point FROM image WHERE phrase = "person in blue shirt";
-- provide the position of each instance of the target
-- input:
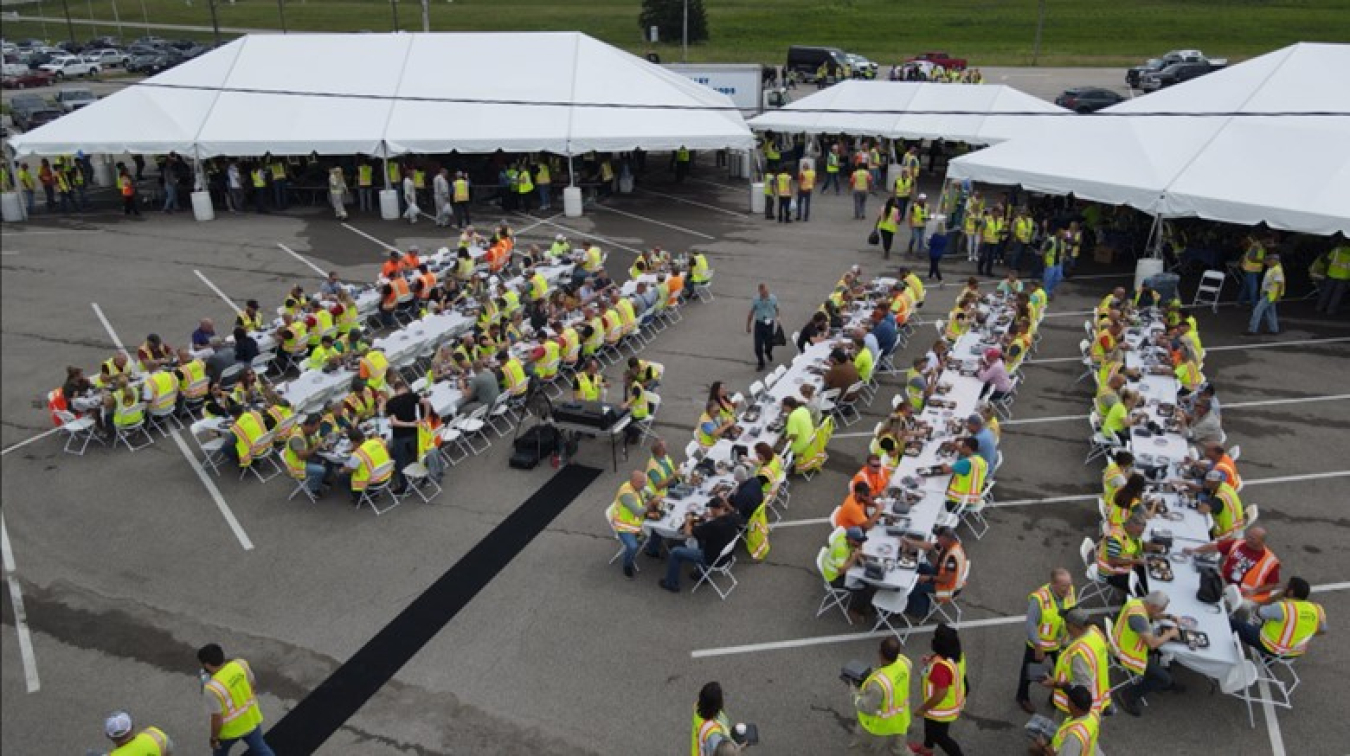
(937, 247)
(762, 320)
(883, 327)
(985, 438)
(204, 335)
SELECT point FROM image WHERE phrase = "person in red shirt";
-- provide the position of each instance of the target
(853, 512)
(1247, 563)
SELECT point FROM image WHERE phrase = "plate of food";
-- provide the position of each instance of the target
(1173, 516)
(885, 549)
(906, 562)
(1160, 441)
(1187, 622)
(1160, 569)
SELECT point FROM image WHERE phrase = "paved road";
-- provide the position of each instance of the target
(125, 563)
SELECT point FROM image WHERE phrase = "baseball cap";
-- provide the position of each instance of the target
(117, 725)
(856, 533)
(1216, 475)
(560, 237)
(992, 353)
(975, 420)
(1076, 617)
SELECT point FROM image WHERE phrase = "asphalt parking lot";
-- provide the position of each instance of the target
(125, 563)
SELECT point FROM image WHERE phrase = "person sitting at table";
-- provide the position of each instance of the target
(994, 374)
(245, 347)
(936, 358)
(443, 363)
(968, 473)
(300, 455)
(589, 383)
(918, 387)
(1220, 501)
(336, 418)
(1127, 500)
(1120, 418)
(250, 318)
(353, 344)
(970, 290)
(769, 468)
(720, 528)
(1084, 661)
(111, 369)
(712, 425)
(940, 576)
(798, 430)
(1010, 286)
(1121, 551)
(662, 472)
(1215, 458)
(843, 552)
(368, 456)
(814, 332)
(361, 402)
(813, 403)
(373, 369)
(1201, 425)
(646, 372)
(1188, 372)
(864, 356)
(858, 509)
(1108, 394)
(1284, 628)
(1140, 652)
(392, 266)
(205, 335)
(842, 373)
(247, 427)
(1119, 468)
(323, 355)
(1207, 393)
(1247, 563)
(247, 390)
(154, 354)
(984, 437)
(749, 492)
(717, 393)
(294, 343)
(479, 386)
(874, 473)
(957, 326)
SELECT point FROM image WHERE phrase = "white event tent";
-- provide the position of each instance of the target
(973, 113)
(390, 94)
(1267, 140)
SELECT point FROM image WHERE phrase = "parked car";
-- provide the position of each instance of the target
(1134, 77)
(26, 110)
(805, 60)
(26, 80)
(1174, 74)
(941, 59)
(70, 67)
(98, 43)
(70, 100)
(153, 64)
(860, 63)
(107, 57)
(44, 55)
(1087, 99)
(12, 66)
(39, 117)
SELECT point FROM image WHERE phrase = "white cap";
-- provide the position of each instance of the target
(923, 196)
(117, 725)
(560, 237)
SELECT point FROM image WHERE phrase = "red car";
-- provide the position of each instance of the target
(34, 78)
(941, 59)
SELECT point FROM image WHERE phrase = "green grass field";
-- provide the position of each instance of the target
(988, 32)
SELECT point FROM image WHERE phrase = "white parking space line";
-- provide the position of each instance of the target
(63, 231)
(597, 237)
(822, 640)
(1225, 408)
(30, 673)
(108, 327)
(297, 256)
(224, 508)
(28, 441)
(798, 523)
(1228, 348)
(233, 307)
(681, 229)
(359, 232)
(1272, 722)
(537, 224)
(705, 206)
(1329, 587)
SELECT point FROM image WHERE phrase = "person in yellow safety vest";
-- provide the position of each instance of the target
(571, 344)
(648, 373)
(699, 271)
(770, 193)
(370, 463)
(918, 218)
(592, 259)
(322, 325)
(1045, 634)
(1272, 291)
(1220, 501)
(1085, 661)
(627, 314)
(150, 741)
(991, 231)
(280, 181)
(235, 714)
(365, 185)
(917, 387)
(783, 191)
(246, 431)
(968, 472)
(882, 701)
(711, 425)
(514, 380)
(831, 171)
(1285, 627)
(543, 181)
(662, 472)
(913, 286)
(162, 387)
(861, 184)
(459, 200)
(633, 504)
(770, 147)
(1118, 471)
(323, 355)
(524, 188)
(123, 408)
(613, 322)
(638, 405)
(970, 230)
(192, 379)
(1023, 229)
(1077, 735)
(63, 191)
(394, 171)
(1337, 280)
(888, 223)
(300, 455)
(711, 733)
(249, 319)
(589, 384)
(1252, 262)
(595, 339)
(258, 177)
(374, 367)
(769, 469)
(944, 692)
(538, 286)
(1139, 644)
(806, 184)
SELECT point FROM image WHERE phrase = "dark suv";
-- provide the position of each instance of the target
(1173, 74)
(1087, 99)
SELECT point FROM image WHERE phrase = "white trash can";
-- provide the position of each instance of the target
(572, 202)
(757, 196)
(12, 207)
(1146, 269)
(389, 204)
(202, 209)
(103, 170)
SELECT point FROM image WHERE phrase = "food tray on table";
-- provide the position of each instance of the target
(1160, 569)
(929, 471)
(1193, 638)
(941, 404)
(913, 450)
(751, 415)
(906, 562)
(943, 388)
(777, 425)
(1166, 409)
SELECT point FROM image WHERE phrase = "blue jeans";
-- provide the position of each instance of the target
(921, 597)
(254, 740)
(630, 547)
(676, 559)
(1265, 310)
(1251, 286)
(915, 238)
(30, 200)
(1051, 277)
(859, 204)
(804, 206)
(364, 196)
(831, 180)
(545, 196)
(170, 196)
(1249, 634)
(314, 475)
(279, 194)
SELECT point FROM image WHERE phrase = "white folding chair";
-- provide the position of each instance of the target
(1211, 285)
(1100, 446)
(473, 426)
(77, 430)
(1095, 588)
(372, 492)
(757, 390)
(834, 516)
(971, 513)
(1114, 662)
(941, 605)
(1085, 352)
(846, 408)
(212, 448)
(451, 441)
(721, 567)
(1235, 452)
(796, 338)
(891, 605)
(263, 452)
(1252, 515)
(704, 290)
(1282, 689)
(834, 597)
(1232, 599)
(501, 412)
(420, 482)
(770, 380)
(642, 539)
(779, 372)
(1003, 406)
(124, 433)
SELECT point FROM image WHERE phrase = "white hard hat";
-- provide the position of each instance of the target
(117, 725)
(923, 196)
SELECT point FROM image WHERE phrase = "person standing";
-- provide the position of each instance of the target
(47, 177)
(882, 701)
(234, 184)
(861, 184)
(1333, 288)
(888, 222)
(411, 211)
(1052, 255)
(831, 171)
(235, 715)
(1272, 291)
(440, 196)
(937, 247)
(806, 182)
(279, 184)
(168, 176)
(1045, 632)
(259, 179)
(1252, 263)
(761, 321)
(150, 741)
(127, 187)
(402, 409)
(28, 187)
(365, 184)
(543, 182)
(918, 218)
(337, 192)
(944, 693)
(783, 191)
(459, 197)
(1085, 661)
(682, 164)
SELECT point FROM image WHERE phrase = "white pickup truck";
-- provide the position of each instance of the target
(69, 67)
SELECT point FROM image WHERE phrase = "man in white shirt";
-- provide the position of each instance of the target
(236, 185)
(440, 192)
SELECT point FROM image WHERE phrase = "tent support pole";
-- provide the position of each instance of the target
(385, 158)
(571, 174)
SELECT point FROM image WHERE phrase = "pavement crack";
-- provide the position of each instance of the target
(845, 721)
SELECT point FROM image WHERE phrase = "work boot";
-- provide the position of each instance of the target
(1129, 703)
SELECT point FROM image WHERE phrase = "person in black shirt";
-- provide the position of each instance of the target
(402, 409)
(749, 493)
(814, 331)
(245, 347)
(712, 535)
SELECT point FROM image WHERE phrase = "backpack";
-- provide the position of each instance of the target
(1211, 586)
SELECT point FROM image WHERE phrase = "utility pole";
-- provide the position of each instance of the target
(145, 18)
(1040, 24)
(394, 5)
(684, 45)
(281, 11)
(426, 16)
(215, 23)
(117, 19)
(70, 25)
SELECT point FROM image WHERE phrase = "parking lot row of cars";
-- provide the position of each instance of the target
(33, 63)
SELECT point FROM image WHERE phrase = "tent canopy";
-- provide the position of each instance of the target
(974, 113)
(388, 94)
(1266, 141)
